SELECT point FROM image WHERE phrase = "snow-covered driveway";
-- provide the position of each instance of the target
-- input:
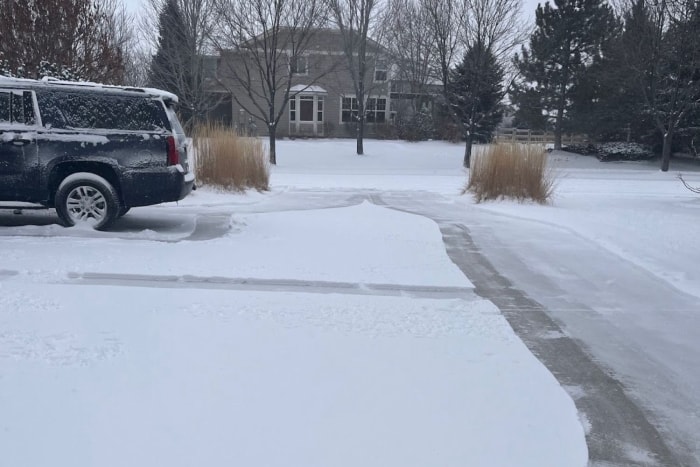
(324, 323)
(269, 330)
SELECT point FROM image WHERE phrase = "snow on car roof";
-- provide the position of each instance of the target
(47, 81)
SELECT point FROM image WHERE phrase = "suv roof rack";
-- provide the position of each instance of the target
(87, 84)
(51, 80)
(47, 80)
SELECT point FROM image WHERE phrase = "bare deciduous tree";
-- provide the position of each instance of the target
(664, 53)
(410, 44)
(261, 44)
(497, 25)
(493, 28)
(119, 26)
(359, 23)
(72, 36)
(446, 20)
(694, 189)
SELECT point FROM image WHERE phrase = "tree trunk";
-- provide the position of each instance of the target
(666, 152)
(360, 136)
(361, 115)
(558, 126)
(468, 150)
(272, 129)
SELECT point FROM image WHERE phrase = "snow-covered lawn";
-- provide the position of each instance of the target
(305, 326)
(631, 209)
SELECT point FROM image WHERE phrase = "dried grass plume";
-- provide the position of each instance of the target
(516, 171)
(227, 160)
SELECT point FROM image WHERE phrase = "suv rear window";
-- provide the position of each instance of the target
(174, 121)
(4, 107)
(60, 109)
(16, 107)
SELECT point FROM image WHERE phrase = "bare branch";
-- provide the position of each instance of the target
(360, 25)
(260, 41)
(689, 187)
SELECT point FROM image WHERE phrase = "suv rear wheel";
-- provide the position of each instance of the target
(88, 199)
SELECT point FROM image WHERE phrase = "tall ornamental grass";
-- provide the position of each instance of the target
(516, 171)
(227, 160)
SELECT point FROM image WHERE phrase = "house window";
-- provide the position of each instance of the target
(348, 112)
(293, 109)
(380, 72)
(376, 110)
(319, 109)
(299, 65)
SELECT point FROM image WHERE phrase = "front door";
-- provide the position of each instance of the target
(19, 159)
(306, 115)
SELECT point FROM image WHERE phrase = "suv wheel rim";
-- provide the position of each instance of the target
(86, 204)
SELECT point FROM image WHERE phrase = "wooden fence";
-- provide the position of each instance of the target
(518, 135)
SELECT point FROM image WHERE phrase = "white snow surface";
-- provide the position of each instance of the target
(359, 244)
(137, 374)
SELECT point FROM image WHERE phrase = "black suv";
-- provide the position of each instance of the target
(90, 151)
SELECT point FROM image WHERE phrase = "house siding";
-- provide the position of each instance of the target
(327, 68)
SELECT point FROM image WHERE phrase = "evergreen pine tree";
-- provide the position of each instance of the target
(170, 67)
(607, 103)
(568, 38)
(475, 92)
(529, 112)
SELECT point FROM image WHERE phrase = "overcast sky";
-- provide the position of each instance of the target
(528, 5)
(133, 5)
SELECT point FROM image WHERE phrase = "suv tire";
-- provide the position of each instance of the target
(86, 198)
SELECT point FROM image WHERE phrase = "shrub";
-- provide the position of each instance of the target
(613, 151)
(230, 161)
(449, 131)
(417, 127)
(516, 171)
(586, 149)
(624, 152)
(386, 131)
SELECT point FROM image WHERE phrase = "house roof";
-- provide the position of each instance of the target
(307, 88)
(321, 39)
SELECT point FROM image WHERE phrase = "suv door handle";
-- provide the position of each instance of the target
(19, 141)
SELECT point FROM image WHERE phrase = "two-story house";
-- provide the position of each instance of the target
(322, 100)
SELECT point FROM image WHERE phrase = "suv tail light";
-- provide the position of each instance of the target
(173, 154)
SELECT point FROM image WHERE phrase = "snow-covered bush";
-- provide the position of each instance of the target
(621, 151)
(517, 171)
(586, 149)
(613, 151)
(230, 161)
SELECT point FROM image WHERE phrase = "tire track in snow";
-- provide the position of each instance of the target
(269, 285)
